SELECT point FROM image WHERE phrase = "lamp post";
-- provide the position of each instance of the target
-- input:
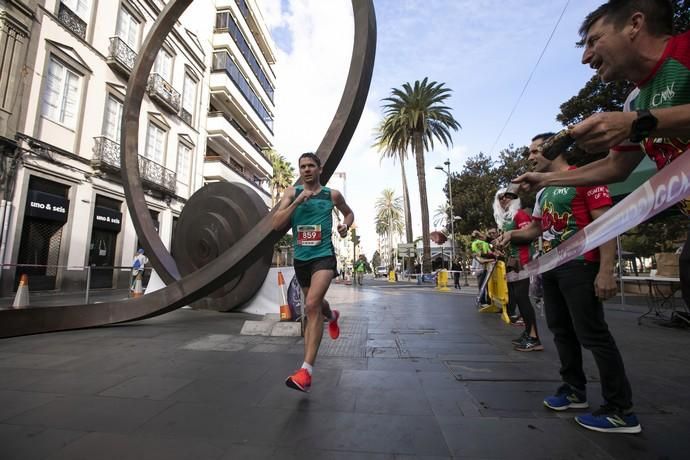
(452, 217)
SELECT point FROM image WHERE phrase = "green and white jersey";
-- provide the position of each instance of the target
(667, 85)
(312, 224)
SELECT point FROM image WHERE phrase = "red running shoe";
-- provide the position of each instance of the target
(333, 328)
(300, 380)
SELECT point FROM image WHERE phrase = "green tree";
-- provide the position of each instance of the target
(473, 194)
(420, 111)
(442, 213)
(389, 216)
(392, 141)
(511, 163)
(283, 175)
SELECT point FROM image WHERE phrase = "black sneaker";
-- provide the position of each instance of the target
(519, 340)
(530, 344)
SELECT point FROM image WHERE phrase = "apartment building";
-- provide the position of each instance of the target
(206, 116)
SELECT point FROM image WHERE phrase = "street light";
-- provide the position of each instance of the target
(452, 217)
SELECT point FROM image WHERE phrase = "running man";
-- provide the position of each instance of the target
(308, 208)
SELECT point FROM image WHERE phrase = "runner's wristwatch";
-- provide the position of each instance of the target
(643, 125)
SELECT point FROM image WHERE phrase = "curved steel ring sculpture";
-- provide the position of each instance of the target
(181, 291)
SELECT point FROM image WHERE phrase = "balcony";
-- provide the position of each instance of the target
(120, 56)
(162, 92)
(222, 62)
(225, 168)
(225, 134)
(106, 157)
(70, 20)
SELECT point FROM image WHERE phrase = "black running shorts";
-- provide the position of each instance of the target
(305, 268)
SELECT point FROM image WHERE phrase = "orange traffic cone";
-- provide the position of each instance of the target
(21, 300)
(138, 288)
(285, 314)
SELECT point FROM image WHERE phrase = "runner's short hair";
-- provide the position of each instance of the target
(312, 156)
(543, 136)
(658, 15)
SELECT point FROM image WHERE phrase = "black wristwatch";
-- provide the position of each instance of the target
(643, 125)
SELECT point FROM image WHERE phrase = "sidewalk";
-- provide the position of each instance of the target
(415, 373)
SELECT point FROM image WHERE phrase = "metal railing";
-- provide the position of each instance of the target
(121, 55)
(119, 278)
(106, 155)
(70, 19)
(163, 92)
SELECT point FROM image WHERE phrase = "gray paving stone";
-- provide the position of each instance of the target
(147, 387)
(15, 402)
(93, 413)
(395, 401)
(257, 327)
(35, 361)
(33, 442)
(115, 446)
(259, 426)
(367, 433)
(214, 342)
(542, 438)
(76, 383)
(379, 379)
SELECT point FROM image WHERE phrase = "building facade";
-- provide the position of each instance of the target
(206, 116)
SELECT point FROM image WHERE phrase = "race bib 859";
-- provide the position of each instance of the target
(308, 235)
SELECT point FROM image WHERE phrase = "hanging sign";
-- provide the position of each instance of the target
(107, 219)
(46, 206)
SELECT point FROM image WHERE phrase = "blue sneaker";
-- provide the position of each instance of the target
(608, 419)
(567, 398)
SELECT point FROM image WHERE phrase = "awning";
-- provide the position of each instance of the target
(644, 171)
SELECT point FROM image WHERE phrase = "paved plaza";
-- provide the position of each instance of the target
(415, 374)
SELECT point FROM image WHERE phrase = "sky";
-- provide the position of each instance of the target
(483, 50)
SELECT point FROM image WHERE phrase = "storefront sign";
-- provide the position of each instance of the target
(46, 206)
(107, 219)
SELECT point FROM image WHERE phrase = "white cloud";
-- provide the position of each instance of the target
(483, 51)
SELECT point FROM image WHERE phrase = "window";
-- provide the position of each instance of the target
(113, 119)
(184, 156)
(128, 28)
(163, 65)
(61, 94)
(189, 93)
(188, 98)
(155, 142)
(81, 8)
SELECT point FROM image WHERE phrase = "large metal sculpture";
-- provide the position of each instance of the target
(242, 255)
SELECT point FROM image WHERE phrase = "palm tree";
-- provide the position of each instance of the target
(389, 218)
(417, 113)
(393, 142)
(441, 215)
(283, 175)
